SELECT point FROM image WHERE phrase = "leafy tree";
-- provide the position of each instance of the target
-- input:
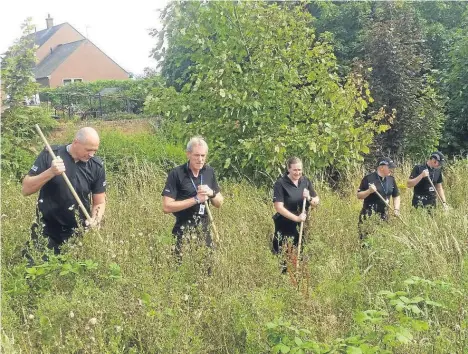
(456, 129)
(401, 80)
(18, 120)
(260, 87)
(17, 65)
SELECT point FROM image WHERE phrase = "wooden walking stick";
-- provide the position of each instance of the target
(300, 234)
(65, 177)
(390, 207)
(210, 216)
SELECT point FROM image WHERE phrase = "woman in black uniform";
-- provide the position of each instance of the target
(288, 195)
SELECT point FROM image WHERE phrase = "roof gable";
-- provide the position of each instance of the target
(50, 63)
(43, 36)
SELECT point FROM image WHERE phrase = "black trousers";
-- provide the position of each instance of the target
(364, 215)
(197, 230)
(285, 230)
(55, 236)
(424, 201)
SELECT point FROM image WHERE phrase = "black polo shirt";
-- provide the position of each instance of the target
(56, 203)
(386, 187)
(424, 187)
(290, 195)
(181, 185)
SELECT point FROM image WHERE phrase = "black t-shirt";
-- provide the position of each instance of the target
(385, 186)
(181, 185)
(424, 186)
(56, 203)
(287, 192)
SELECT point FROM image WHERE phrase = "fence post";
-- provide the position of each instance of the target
(69, 106)
(100, 105)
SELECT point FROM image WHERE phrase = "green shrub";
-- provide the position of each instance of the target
(20, 140)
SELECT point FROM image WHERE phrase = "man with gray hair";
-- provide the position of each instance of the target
(56, 206)
(188, 188)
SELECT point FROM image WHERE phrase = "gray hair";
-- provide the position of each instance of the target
(196, 141)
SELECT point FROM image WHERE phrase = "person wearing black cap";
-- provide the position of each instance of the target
(424, 193)
(188, 188)
(56, 206)
(289, 193)
(380, 182)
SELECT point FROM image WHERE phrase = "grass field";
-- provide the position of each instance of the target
(120, 290)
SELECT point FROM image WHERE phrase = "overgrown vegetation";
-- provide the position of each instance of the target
(121, 290)
(262, 81)
(18, 120)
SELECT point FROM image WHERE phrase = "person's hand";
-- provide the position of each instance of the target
(57, 167)
(202, 197)
(301, 217)
(396, 212)
(314, 201)
(425, 173)
(372, 188)
(93, 224)
(306, 194)
(203, 188)
(445, 206)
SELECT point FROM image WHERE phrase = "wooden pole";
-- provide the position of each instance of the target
(65, 177)
(300, 234)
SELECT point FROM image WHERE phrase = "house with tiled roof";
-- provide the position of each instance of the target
(65, 56)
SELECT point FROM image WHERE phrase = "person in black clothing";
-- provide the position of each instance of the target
(289, 192)
(424, 193)
(380, 182)
(188, 188)
(56, 205)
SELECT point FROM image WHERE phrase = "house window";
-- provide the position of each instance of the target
(70, 81)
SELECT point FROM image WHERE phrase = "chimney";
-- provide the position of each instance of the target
(49, 21)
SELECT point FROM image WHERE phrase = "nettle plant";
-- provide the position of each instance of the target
(381, 331)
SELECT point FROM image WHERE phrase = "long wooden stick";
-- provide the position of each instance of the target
(389, 206)
(65, 177)
(301, 229)
(435, 189)
(210, 216)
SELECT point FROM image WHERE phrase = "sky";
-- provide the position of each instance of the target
(118, 28)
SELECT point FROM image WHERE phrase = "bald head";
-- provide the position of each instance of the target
(85, 144)
(87, 134)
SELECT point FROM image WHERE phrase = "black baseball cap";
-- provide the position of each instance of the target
(437, 155)
(386, 161)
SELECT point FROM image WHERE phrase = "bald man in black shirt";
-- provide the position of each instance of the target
(56, 206)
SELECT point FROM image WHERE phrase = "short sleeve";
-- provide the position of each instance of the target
(440, 179)
(41, 164)
(278, 194)
(414, 173)
(396, 191)
(170, 189)
(364, 185)
(311, 189)
(99, 185)
(215, 186)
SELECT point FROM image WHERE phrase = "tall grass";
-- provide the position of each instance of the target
(138, 299)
